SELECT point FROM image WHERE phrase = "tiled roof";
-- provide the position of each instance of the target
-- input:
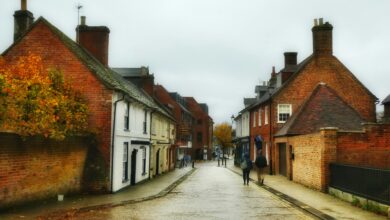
(324, 108)
(132, 72)
(249, 101)
(386, 100)
(108, 77)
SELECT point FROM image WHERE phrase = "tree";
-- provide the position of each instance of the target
(37, 101)
(223, 135)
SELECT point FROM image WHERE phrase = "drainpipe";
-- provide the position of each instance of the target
(270, 135)
(150, 140)
(112, 143)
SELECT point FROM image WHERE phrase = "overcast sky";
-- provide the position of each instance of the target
(218, 50)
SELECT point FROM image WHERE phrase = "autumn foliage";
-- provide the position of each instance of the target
(37, 101)
(223, 134)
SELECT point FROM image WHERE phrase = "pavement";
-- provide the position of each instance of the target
(151, 189)
(318, 204)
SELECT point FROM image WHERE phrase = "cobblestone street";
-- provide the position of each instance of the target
(211, 192)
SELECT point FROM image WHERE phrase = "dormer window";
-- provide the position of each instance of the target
(284, 112)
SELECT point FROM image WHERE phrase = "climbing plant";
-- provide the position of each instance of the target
(37, 101)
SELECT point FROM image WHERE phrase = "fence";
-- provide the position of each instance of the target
(371, 183)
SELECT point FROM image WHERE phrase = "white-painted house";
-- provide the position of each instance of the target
(131, 153)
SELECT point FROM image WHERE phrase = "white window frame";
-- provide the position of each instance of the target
(266, 115)
(125, 162)
(260, 110)
(143, 160)
(126, 117)
(289, 111)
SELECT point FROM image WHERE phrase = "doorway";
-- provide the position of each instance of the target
(157, 162)
(282, 159)
(133, 166)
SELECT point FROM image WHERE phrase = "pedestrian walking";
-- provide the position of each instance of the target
(260, 163)
(246, 166)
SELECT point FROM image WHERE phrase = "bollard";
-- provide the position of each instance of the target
(218, 161)
(225, 162)
(193, 164)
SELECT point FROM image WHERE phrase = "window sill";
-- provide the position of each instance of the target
(144, 174)
(127, 130)
(125, 181)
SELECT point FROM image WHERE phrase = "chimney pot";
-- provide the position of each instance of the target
(315, 22)
(321, 21)
(83, 20)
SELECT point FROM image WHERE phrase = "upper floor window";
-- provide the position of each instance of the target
(199, 137)
(126, 117)
(266, 115)
(259, 116)
(284, 112)
(145, 121)
(254, 119)
(153, 125)
(199, 121)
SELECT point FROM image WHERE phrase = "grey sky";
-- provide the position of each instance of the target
(218, 50)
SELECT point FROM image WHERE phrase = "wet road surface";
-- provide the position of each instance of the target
(211, 192)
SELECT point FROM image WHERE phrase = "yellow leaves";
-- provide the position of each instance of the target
(36, 101)
(223, 134)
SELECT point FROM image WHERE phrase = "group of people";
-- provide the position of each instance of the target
(247, 166)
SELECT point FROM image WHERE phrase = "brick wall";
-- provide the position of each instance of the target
(43, 42)
(306, 166)
(36, 168)
(312, 155)
(370, 148)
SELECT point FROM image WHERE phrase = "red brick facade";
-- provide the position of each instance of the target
(36, 168)
(320, 67)
(43, 42)
(201, 134)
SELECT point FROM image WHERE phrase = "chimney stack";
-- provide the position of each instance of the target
(22, 20)
(290, 59)
(95, 39)
(322, 38)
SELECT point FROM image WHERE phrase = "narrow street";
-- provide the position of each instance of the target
(211, 192)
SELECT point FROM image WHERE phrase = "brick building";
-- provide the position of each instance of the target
(202, 135)
(113, 103)
(322, 92)
(184, 119)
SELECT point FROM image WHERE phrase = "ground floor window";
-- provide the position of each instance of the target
(143, 160)
(125, 162)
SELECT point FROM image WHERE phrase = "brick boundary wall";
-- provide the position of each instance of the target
(369, 148)
(314, 152)
(36, 168)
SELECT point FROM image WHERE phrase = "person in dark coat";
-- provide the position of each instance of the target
(246, 166)
(261, 163)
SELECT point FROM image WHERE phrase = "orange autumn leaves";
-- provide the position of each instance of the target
(37, 101)
(223, 134)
